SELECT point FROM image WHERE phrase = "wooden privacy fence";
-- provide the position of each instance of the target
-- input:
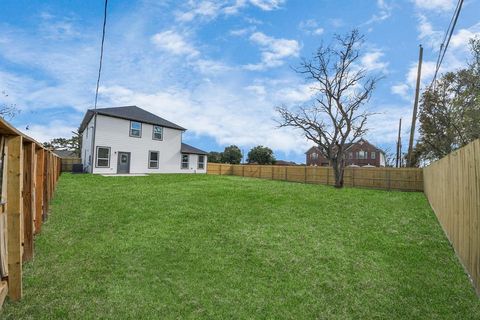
(67, 163)
(408, 179)
(29, 173)
(452, 186)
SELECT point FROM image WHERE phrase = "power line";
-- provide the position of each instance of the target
(446, 39)
(101, 53)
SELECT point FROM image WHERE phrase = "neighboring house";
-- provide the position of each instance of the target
(65, 154)
(132, 140)
(361, 153)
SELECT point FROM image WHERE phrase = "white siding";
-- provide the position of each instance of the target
(87, 135)
(382, 160)
(114, 133)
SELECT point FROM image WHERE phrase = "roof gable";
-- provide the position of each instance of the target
(132, 113)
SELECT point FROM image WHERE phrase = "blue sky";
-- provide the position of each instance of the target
(219, 67)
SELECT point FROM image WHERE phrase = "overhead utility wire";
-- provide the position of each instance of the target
(446, 39)
(101, 53)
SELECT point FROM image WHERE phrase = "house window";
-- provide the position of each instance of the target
(314, 156)
(157, 133)
(153, 159)
(135, 129)
(350, 155)
(373, 155)
(103, 157)
(362, 155)
(201, 162)
(184, 161)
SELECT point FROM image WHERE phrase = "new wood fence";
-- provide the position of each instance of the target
(407, 179)
(28, 176)
(452, 186)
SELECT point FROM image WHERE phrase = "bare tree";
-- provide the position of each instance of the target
(342, 87)
(7, 110)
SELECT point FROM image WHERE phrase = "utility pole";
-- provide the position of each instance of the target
(415, 108)
(398, 162)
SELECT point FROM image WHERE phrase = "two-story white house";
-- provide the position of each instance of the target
(129, 139)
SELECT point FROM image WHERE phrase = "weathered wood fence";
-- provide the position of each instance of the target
(28, 176)
(67, 163)
(452, 186)
(407, 179)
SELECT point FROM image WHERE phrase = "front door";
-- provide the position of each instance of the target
(123, 165)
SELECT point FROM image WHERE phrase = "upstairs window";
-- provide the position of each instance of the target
(103, 157)
(201, 162)
(135, 129)
(157, 133)
(350, 155)
(314, 156)
(362, 155)
(185, 161)
(153, 157)
(373, 155)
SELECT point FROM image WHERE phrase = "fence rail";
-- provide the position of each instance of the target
(407, 179)
(29, 174)
(452, 186)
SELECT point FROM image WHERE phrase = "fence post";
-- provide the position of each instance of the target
(353, 176)
(389, 179)
(243, 170)
(28, 199)
(39, 193)
(14, 215)
(260, 171)
(272, 167)
(328, 176)
(220, 169)
(286, 174)
(305, 172)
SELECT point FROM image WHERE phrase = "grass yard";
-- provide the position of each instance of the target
(197, 246)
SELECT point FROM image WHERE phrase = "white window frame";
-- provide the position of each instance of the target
(150, 159)
(202, 163)
(373, 155)
(183, 162)
(140, 133)
(98, 158)
(161, 133)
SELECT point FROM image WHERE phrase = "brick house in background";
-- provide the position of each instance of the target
(361, 153)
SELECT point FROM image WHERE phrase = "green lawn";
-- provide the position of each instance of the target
(197, 246)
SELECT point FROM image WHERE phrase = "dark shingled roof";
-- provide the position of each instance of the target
(129, 113)
(66, 154)
(186, 148)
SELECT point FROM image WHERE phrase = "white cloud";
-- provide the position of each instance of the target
(268, 5)
(461, 38)
(311, 27)
(337, 22)
(210, 9)
(402, 90)
(54, 129)
(372, 61)
(273, 50)
(384, 12)
(427, 33)
(174, 43)
(221, 111)
(435, 5)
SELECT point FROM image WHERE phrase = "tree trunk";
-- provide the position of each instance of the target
(338, 169)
